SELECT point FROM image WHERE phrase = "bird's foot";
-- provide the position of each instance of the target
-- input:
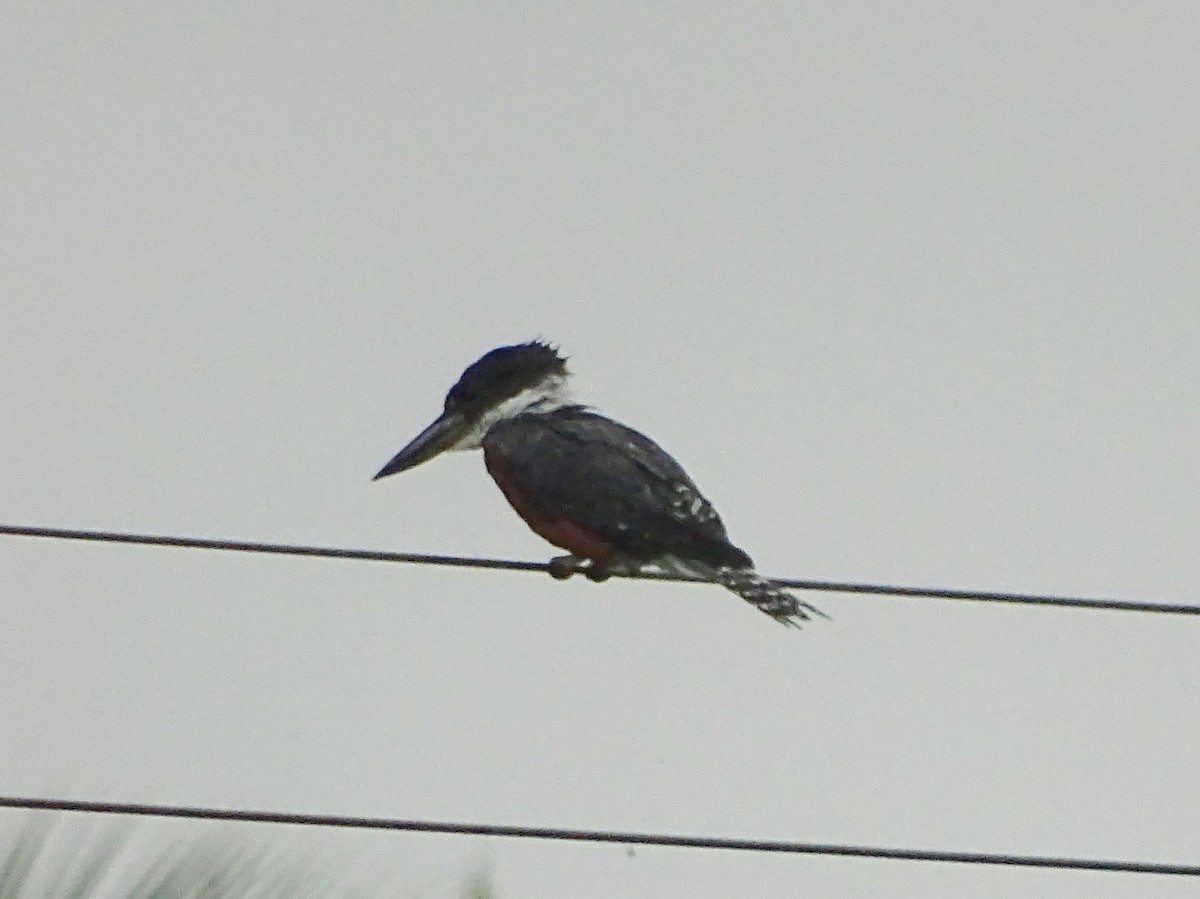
(597, 574)
(562, 567)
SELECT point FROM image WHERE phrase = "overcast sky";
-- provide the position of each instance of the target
(911, 290)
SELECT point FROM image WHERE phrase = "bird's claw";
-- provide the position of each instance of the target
(562, 567)
(597, 574)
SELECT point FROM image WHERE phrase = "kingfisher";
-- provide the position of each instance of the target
(609, 495)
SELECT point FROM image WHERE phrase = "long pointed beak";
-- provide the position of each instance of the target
(437, 438)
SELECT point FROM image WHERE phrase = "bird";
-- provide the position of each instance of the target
(609, 495)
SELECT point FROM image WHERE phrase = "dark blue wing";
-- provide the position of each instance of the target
(614, 481)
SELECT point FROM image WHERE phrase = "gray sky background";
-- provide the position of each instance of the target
(910, 289)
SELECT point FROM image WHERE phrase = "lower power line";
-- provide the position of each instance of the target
(595, 836)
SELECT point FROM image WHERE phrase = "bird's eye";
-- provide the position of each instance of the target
(456, 399)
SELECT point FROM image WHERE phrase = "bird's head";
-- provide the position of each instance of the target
(505, 382)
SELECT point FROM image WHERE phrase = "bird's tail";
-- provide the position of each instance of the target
(765, 595)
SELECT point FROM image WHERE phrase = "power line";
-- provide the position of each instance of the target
(283, 549)
(594, 836)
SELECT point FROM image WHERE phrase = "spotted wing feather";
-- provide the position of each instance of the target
(614, 481)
